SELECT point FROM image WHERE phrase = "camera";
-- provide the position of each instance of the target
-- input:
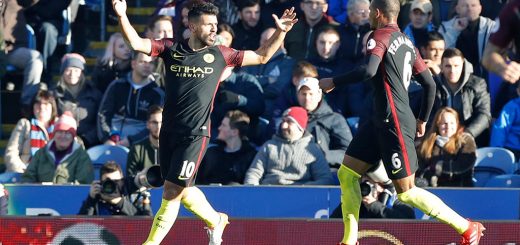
(366, 188)
(149, 178)
(109, 187)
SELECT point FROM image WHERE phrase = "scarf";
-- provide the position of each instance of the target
(39, 135)
(441, 140)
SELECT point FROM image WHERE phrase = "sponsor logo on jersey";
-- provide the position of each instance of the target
(395, 171)
(191, 71)
(209, 58)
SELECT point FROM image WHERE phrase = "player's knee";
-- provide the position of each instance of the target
(407, 196)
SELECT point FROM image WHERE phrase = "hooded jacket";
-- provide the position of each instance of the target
(475, 104)
(283, 162)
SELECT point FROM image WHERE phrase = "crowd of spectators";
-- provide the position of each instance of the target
(271, 124)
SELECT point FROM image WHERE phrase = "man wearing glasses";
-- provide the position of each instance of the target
(300, 41)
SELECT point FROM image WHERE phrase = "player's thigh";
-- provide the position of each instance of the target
(398, 151)
(363, 151)
(182, 159)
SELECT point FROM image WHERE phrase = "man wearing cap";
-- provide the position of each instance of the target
(329, 129)
(420, 22)
(290, 157)
(62, 160)
(469, 32)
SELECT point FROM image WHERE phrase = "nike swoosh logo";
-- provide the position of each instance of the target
(177, 56)
(395, 171)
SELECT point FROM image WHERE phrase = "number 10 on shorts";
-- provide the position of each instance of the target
(187, 169)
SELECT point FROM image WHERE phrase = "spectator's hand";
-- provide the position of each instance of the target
(227, 97)
(421, 128)
(461, 23)
(286, 22)
(369, 199)
(95, 189)
(124, 142)
(326, 84)
(511, 72)
(434, 68)
(119, 7)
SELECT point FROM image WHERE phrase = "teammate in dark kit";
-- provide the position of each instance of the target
(194, 69)
(392, 60)
(505, 32)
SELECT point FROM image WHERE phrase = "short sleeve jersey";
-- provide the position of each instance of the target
(507, 27)
(399, 61)
(192, 78)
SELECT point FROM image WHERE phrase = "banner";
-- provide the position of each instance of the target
(124, 230)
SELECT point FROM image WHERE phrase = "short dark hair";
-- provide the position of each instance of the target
(242, 4)
(44, 94)
(225, 27)
(158, 18)
(390, 8)
(434, 36)
(452, 52)
(200, 9)
(154, 109)
(240, 121)
(110, 167)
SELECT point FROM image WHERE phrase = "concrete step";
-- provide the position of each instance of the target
(115, 28)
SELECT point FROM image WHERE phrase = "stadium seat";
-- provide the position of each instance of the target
(492, 161)
(100, 154)
(505, 180)
(353, 123)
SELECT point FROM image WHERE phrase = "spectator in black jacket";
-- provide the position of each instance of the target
(124, 107)
(110, 196)
(114, 64)
(459, 89)
(248, 28)
(227, 162)
(329, 129)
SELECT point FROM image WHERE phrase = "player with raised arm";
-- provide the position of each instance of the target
(193, 71)
(392, 60)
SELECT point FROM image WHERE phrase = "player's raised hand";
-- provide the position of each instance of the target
(421, 128)
(119, 7)
(286, 22)
(326, 84)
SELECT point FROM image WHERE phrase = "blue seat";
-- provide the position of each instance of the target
(353, 123)
(505, 180)
(492, 161)
(101, 154)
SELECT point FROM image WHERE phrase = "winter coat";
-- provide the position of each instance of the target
(450, 169)
(351, 37)
(227, 168)
(475, 113)
(75, 167)
(18, 150)
(84, 108)
(330, 131)
(283, 162)
(105, 74)
(141, 155)
(506, 129)
(125, 207)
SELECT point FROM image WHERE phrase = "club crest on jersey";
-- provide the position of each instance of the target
(371, 44)
(177, 56)
(209, 58)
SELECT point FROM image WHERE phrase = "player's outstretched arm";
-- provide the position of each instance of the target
(266, 51)
(494, 61)
(143, 45)
(358, 74)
